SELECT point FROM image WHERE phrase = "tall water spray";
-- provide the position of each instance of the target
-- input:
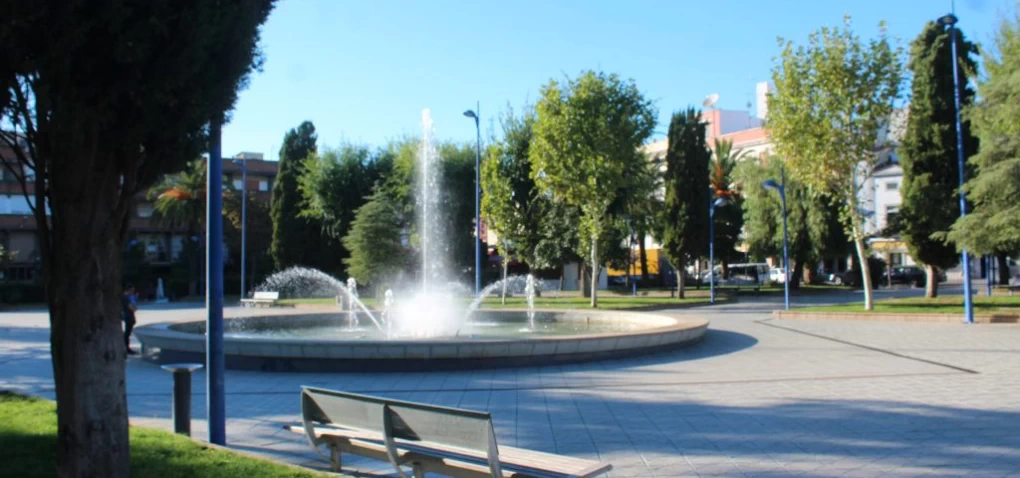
(431, 233)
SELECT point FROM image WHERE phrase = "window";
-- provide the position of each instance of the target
(892, 186)
(890, 215)
(263, 185)
(145, 210)
(238, 184)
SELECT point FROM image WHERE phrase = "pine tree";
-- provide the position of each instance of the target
(928, 152)
(684, 222)
(994, 224)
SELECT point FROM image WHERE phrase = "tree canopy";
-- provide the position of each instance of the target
(683, 225)
(833, 97)
(994, 224)
(97, 101)
(588, 132)
(928, 154)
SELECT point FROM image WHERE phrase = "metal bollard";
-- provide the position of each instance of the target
(182, 395)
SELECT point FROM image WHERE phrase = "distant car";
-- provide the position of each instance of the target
(913, 275)
(777, 275)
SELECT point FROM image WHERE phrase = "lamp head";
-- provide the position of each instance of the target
(947, 20)
(470, 114)
(770, 184)
(718, 202)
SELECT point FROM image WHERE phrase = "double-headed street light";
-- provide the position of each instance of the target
(711, 247)
(478, 195)
(968, 301)
(781, 187)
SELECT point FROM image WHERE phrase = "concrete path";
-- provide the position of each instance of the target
(756, 397)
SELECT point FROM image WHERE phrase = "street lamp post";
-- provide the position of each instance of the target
(478, 194)
(711, 247)
(781, 187)
(968, 301)
(216, 409)
(244, 218)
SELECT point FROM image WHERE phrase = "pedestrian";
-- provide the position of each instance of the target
(128, 304)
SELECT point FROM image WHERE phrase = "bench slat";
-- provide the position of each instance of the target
(522, 460)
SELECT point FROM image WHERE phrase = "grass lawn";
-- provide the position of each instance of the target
(939, 305)
(28, 439)
(606, 301)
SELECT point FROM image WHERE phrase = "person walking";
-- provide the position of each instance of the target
(128, 304)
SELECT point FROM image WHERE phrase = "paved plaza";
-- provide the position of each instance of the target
(756, 397)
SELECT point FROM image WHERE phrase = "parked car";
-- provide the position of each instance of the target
(913, 275)
(777, 275)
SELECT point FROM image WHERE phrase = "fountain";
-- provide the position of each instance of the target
(432, 327)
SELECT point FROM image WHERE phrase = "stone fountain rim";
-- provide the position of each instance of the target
(164, 330)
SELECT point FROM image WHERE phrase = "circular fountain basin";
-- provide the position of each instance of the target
(322, 342)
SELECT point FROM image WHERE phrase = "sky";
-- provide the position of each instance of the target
(362, 71)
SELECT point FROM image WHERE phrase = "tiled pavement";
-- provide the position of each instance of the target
(757, 397)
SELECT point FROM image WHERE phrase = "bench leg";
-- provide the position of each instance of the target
(334, 458)
(419, 471)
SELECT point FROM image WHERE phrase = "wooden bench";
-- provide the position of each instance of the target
(427, 438)
(267, 299)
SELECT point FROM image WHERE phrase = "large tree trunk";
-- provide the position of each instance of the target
(931, 287)
(796, 274)
(594, 272)
(1003, 269)
(82, 261)
(869, 300)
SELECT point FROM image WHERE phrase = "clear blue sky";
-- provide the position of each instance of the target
(362, 71)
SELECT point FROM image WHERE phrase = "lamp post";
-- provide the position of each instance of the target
(244, 218)
(215, 360)
(711, 247)
(781, 187)
(478, 194)
(968, 301)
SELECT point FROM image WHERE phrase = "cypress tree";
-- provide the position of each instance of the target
(928, 153)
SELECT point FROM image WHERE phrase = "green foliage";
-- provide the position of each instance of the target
(994, 225)
(587, 137)
(179, 198)
(833, 96)
(298, 240)
(928, 152)
(510, 200)
(374, 241)
(557, 234)
(684, 222)
(809, 217)
(729, 218)
(334, 184)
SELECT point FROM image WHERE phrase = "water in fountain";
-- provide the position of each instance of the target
(307, 282)
(529, 293)
(352, 296)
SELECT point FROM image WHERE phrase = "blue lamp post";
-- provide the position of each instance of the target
(215, 404)
(478, 195)
(711, 247)
(968, 301)
(243, 162)
(781, 187)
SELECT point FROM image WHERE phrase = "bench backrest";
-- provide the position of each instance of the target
(266, 295)
(395, 419)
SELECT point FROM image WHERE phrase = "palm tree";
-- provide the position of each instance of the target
(729, 215)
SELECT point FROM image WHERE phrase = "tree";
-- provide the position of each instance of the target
(509, 196)
(832, 98)
(586, 133)
(457, 216)
(684, 220)
(297, 240)
(374, 242)
(729, 219)
(994, 224)
(808, 217)
(336, 183)
(928, 152)
(99, 100)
